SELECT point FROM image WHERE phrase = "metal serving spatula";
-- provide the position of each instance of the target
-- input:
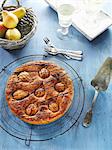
(100, 83)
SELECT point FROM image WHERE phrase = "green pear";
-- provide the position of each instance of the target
(19, 12)
(9, 19)
(13, 34)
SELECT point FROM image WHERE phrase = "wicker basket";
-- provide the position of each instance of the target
(27, 26)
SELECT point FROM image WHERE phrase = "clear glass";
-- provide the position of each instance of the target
(21, 130)
(66, 9)
(65, 13)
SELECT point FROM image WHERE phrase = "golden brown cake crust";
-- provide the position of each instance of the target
(39, 92)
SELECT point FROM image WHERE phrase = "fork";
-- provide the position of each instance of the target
(69, 54)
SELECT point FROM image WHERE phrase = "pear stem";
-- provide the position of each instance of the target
(18, 3)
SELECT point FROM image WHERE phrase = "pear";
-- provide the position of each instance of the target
(13, 34)
(3, 29)
(19, 12)
(9, 19)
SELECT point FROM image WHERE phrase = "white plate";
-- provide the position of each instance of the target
(90, 31)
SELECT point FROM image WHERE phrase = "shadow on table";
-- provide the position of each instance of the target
(104, 37)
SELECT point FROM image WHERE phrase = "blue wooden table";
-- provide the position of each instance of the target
(99, 135)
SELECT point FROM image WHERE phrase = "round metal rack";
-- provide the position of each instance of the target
(21, 130)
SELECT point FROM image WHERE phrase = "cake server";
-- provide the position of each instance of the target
(100, 83)
(69, 54)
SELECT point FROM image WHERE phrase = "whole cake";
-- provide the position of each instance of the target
(39, 92)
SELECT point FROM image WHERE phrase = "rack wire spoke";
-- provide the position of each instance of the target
(21, 130)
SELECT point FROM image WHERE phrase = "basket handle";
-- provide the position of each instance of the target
(4, 1)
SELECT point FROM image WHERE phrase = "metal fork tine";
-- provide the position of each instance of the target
(46, 40)
(51, 49)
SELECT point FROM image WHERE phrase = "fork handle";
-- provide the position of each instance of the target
(70, 51)
(73, 57)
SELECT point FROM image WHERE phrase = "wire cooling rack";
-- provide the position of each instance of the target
(21, 130)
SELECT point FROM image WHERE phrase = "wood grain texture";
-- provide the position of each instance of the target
(99, 135)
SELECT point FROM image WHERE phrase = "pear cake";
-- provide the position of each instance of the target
(39, 92)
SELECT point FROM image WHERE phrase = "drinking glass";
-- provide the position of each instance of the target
(65, 10)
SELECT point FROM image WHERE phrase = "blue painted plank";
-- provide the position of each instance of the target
(99, 135)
